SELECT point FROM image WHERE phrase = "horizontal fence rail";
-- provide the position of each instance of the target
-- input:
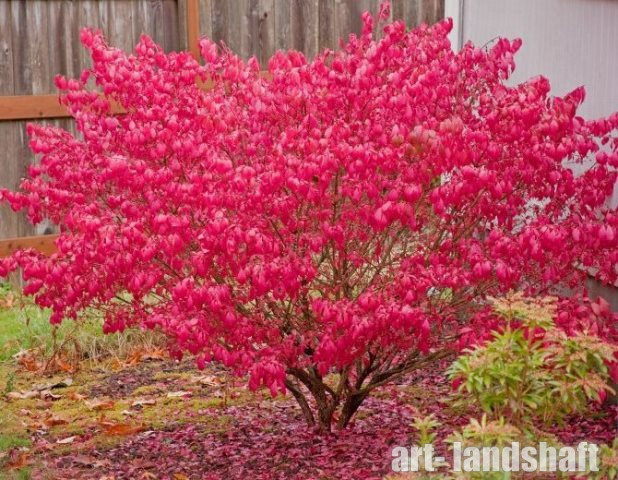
(24, 107)
(46, 244)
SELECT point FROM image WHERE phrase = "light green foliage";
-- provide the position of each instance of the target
(425, 427)
(486, 434)
(531, 370)
(608, 468)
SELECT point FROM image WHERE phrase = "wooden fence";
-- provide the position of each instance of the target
(40, 38)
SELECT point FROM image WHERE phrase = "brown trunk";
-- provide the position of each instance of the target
(302, 402)
(326, 408)
(350, 406)
(325, 403)
(350, 398)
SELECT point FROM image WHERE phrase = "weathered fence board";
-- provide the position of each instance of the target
(40, 38)
(260, 27)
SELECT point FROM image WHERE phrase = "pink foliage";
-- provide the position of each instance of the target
(332, 215)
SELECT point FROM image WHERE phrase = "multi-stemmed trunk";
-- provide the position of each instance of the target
(329, 411)
(324, 406)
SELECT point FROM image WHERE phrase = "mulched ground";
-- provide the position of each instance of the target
(267, 440)
(263, 442)
(126, 381)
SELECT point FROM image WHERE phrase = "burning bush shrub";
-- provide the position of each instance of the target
(326, 227)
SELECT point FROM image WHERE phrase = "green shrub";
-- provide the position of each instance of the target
(608, 465)
(532, 370)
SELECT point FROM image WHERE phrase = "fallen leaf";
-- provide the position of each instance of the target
(120, 429)
(48, 395)
(179, 394)
(66, 440)
(143, 401)
(54, 420)
(67, 382)
(23, 395)
(180, 476)
(76, 396)
(20, 460)
(99, 404)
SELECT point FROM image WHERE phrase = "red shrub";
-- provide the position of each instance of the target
(344, 215)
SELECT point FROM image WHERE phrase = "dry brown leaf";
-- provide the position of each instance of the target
(19, 461)
(179, 394)
(140, 402)
(98, 405)
(54, 420)
(48, 395)
(66, 440)
(22, 395)
(76, 396)
(180, 476)
(120, 429)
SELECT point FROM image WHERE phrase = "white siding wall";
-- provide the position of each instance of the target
(571, 42)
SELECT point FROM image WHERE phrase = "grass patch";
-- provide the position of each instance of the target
(25, 326)
(22, 329)
(10, 440)
(21, 474)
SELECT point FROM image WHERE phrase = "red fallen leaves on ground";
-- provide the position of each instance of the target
(265, 443)
(269, 441)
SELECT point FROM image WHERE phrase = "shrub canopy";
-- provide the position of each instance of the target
(347, 214)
